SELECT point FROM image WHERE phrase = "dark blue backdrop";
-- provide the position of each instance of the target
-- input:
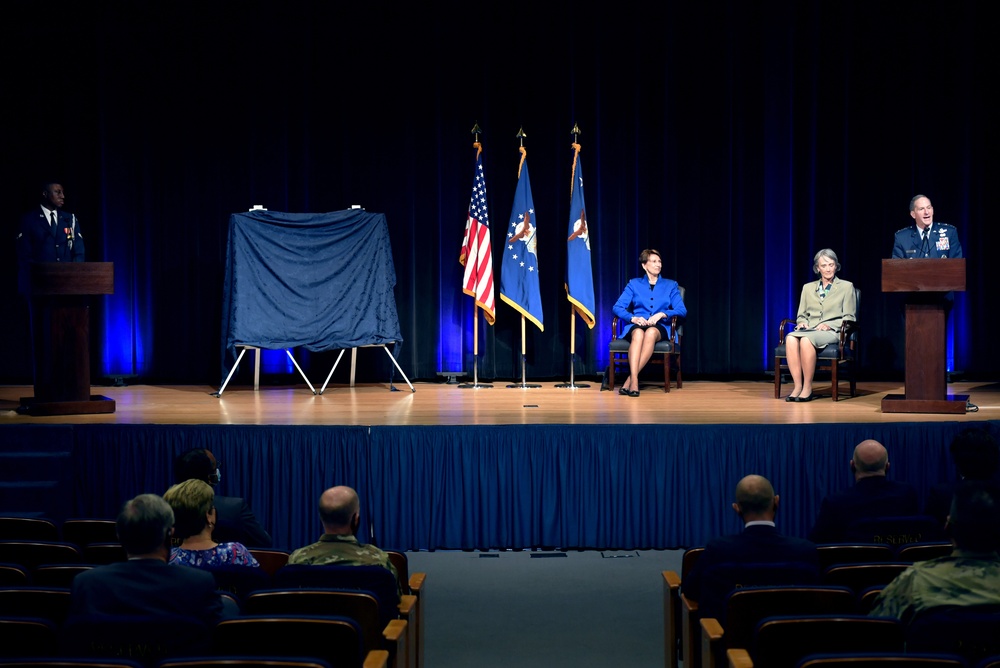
(737, 138)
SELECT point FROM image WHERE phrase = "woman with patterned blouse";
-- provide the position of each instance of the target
(194, 519)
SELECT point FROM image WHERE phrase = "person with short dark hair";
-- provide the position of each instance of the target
(969, 576)
(146, 584)
(235, 521)
(48, 234)
(873, 495)
(646, 304)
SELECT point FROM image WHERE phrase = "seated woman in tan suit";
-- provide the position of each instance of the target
(823, 307)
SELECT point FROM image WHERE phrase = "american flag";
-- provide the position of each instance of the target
(478, 281)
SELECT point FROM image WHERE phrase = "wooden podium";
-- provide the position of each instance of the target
(60, 330)
(925, 281)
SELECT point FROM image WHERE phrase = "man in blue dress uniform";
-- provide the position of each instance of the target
(925, 238)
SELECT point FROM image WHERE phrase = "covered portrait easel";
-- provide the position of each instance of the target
(316, 281)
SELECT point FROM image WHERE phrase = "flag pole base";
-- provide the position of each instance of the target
(475, 386)
(523, 386)
(572, 386)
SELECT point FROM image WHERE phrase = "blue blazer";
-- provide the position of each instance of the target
(638, 299)
(943, 242)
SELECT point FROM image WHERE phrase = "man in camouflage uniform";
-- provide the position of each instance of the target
(340, 512)
(969, 576)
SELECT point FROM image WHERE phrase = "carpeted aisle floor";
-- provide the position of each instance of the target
(531, 609)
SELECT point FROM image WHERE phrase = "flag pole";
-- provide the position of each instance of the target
(473, 289)
(572, 385)
(524, 385)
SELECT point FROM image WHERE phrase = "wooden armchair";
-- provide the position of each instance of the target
(844, 354)
(680, 614)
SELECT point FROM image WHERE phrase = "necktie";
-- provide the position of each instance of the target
(54, 221)
(924, 247)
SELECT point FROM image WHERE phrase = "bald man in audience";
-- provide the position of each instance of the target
(760, 544)
(873, 495)
(340, 513)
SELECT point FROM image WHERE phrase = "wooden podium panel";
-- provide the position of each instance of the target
(925, 282)
(60, 333)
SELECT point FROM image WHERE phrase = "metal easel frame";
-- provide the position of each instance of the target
(354, 361)
(256, 369)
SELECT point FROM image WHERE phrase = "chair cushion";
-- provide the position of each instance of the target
(829, 352)
(621, 346)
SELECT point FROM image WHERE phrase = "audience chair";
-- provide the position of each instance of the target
(27, 636)
(989, 662)
(68, 662)
(680, 614)
(380, 581)
(882, 660)
(781, 642)
(853, 553)
(243, 662)
(861, 576)
(669, 349)
(719, 580)
(336, 640)
(970, 631)
(745, 608)
(51, 603)
(101, 554)
(31, 554)
(28, 528)
(896, 530)
(832, 357)
(13, 575)
(83, 531)
(414, 585)
(240, 581)
(269, 560)
(145, 638)
(924, 551)
(866, 598)
(57, 575)
(360, 606)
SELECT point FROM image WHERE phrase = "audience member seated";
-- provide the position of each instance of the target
(759, 545)
(145, 584)
(873, 495)
(340, 513)
(194, 520)
(235, 521)
(977, 457)
(970, 576)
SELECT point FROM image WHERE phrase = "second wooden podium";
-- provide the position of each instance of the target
(926, 283)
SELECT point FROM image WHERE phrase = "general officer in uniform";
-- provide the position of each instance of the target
(340, 512)
(925, 238)
(47, 234)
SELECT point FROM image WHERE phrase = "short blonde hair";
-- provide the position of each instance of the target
(191, 502)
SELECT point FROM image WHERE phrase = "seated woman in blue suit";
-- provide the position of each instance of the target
(823, 307)
(647, 304)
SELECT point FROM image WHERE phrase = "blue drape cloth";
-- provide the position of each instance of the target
(507, 486)
(318, 281)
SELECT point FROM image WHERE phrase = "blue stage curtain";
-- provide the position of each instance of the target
(280, 471)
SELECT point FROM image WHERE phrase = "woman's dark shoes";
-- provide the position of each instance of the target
(633, 393)
(623, 391)
(804, 399)
(791, 398)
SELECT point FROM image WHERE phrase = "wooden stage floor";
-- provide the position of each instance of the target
(699, 402)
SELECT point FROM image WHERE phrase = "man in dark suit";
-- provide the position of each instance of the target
(146, 584)
(873, 495)
(235, 522)
(925, 238)
(778, 559)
